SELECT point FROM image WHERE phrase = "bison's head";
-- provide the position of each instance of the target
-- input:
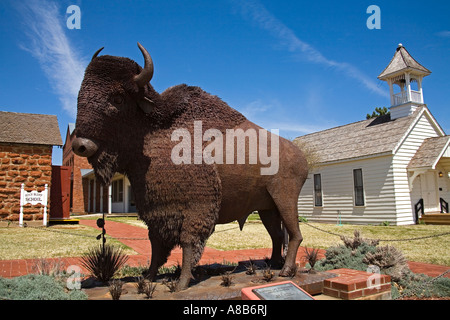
(115, 103)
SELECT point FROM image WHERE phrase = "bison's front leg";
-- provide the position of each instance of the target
(192, 254)
(160, 253)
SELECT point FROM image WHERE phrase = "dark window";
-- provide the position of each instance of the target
(117, 191)
(317, 190)
(359, 188)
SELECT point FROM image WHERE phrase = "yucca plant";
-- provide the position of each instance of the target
(104, 261)
(311, 257)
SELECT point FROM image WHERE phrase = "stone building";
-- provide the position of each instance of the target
(26, 145)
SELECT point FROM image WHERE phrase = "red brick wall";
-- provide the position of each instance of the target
(27, 164)
(78, 197)
(78, 201)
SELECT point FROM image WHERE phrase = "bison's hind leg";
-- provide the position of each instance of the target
(285, 198)
(272, 222)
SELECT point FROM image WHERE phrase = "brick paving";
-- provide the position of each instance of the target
(14, 268)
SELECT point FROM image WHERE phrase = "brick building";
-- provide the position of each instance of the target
(26, 145)
(78, 199)
(87, 194)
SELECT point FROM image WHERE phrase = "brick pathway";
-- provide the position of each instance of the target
(14, 268)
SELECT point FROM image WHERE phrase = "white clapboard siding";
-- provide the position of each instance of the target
(404, 199)
(338, 193)
(444, 182)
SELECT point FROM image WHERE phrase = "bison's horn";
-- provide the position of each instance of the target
(147, 73)
(96, 53)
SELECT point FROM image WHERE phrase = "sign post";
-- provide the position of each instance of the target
(33, 198)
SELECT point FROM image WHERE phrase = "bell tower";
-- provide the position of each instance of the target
(404, 72)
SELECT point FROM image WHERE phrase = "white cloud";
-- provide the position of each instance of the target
(256, 12)
(256, 108)
(299, 129)
(44, 27)
(266, 114)
(444, 34)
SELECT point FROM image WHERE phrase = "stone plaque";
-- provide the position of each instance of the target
(284, 291)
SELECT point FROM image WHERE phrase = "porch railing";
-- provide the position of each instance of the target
(402, 97)
(418, 208)
(444, 205)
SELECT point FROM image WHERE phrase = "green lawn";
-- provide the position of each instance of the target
(52, 242)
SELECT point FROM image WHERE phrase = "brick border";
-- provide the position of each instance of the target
(354, 284)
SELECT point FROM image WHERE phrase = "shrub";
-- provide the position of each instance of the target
(390, 260)
(140, 284)
(357, 240)
(227, 279)
(344, 257)
(171, 284)
(251, 268)
(421, 286)
(149, 288)
(311, 256)
(267, 274)
(37, 287)
(54, 268)
(104, 261)
(358, 253)
(115, 289)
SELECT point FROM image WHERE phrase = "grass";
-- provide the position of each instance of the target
(254, 235)
(17, 243)
(433, 250)
(52, 242)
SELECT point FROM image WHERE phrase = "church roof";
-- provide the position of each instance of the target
(360, 139)
(402, 61)
(429, 152)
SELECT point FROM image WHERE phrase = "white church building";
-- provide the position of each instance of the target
(393, 168)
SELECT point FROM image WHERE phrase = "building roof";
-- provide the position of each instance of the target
(402, 61)
(429, 153)
(86, 172)
(29, 128)
(71, 128)
(360, 139)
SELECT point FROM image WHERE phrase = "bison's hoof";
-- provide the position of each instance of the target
(288, 271)
(182, 285)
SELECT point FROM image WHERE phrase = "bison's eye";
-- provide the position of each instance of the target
(118, 99)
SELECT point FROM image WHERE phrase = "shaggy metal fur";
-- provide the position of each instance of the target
(181, 204)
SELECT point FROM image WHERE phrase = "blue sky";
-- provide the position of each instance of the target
(296, 66)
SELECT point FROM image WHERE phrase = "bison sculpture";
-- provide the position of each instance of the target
(123, 125)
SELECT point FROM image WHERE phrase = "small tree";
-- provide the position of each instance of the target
(378, 112)
(311, 155)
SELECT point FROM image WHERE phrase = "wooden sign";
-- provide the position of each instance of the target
(33, 198)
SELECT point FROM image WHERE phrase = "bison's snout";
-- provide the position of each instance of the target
(84, 147)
